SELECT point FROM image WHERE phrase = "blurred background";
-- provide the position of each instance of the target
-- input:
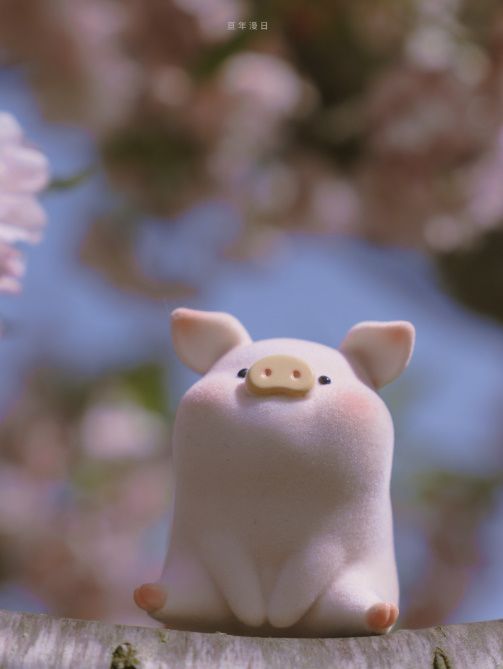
(301, 165)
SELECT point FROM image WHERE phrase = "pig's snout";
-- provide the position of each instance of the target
(279, 375)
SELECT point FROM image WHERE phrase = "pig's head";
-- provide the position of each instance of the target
(290, 396)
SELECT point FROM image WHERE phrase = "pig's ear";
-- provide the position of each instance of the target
(381, 350)
(200, 338)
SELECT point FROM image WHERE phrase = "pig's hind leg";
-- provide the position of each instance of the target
(185, 597)
(350, 606)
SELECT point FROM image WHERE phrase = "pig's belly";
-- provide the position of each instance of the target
(273, 524)
(271, 506)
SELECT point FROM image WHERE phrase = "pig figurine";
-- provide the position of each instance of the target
(282, 454)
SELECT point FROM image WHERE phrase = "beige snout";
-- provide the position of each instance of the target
(279, 374)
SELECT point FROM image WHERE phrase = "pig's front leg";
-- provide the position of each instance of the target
(318, 593)
(351, 606)
(235, 572)
(304, 576)
(186, 596)
(210, 586)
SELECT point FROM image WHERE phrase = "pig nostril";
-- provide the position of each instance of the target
(296, 374)
(267, 371)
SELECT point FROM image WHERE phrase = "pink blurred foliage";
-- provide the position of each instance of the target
(77, 67)
(454, 509)
(78, 489)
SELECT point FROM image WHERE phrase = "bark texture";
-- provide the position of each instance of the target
(38, 641)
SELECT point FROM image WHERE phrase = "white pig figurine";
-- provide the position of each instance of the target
(282, 454)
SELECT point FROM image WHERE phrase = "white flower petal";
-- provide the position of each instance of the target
(10, 130)
(17, 266)
(9, 285)
(11, 234)
(22, 210)
(26, 170)
(13, 264)
(11, 269)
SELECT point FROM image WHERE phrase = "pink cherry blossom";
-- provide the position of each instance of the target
(120, 429)
(24, 172)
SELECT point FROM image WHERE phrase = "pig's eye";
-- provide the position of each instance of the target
(242, 373)
(324, 380)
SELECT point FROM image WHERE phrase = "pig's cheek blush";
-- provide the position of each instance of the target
(358, 404)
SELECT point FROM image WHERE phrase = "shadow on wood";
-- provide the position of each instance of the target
(31, 641)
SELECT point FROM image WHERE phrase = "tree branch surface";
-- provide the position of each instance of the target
(39, 641)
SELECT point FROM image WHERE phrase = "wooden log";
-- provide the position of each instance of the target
(32, 641)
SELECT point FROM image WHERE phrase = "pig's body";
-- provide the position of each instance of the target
(282, 519)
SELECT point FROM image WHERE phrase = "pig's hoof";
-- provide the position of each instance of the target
(381, 616)
(150, 597)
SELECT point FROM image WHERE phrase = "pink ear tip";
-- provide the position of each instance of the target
(180, 312)
(183, 318)
(409, 330)
(406, 333)
(404, 327)
(409, 326)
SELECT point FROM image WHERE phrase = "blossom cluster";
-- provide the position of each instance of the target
(78, 490)
(390, 132)
(23, 173)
